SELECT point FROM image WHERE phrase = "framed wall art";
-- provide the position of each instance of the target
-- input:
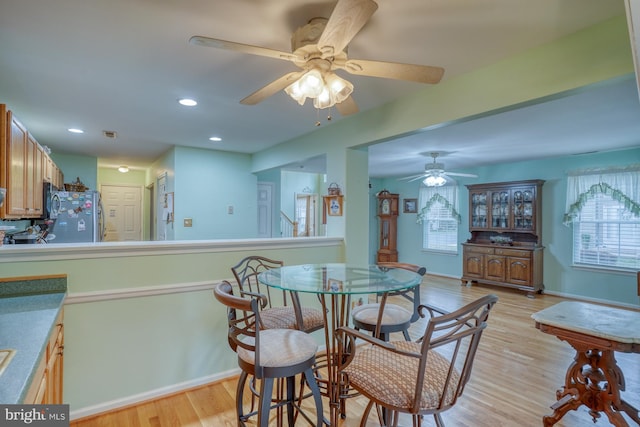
(334, 205)
(410, 206)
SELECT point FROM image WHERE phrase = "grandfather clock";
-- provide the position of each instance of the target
(388, 223)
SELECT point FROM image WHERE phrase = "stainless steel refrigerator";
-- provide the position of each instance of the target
(77, 216)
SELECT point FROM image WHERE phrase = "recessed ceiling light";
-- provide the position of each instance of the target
(74, 130)
(187, 102)
(215, 139)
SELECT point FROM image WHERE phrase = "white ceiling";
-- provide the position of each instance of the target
(121, 65)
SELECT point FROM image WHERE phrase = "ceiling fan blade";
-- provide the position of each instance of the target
(347, 18)
(270, 89)
(412, 177)
(469, 175)
(241, 47)
(417, 178)
(347, 107)
(395, 70)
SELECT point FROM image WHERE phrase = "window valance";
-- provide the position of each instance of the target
(447, 195)
(621, 184)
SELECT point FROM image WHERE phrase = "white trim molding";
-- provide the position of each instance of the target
(66, 251)
(115, 294)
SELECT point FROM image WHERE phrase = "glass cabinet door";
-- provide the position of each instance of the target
(478, 209)
(500, 209)
(523, 200)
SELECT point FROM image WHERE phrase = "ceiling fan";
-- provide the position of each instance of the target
(434, 174)
(319, 48)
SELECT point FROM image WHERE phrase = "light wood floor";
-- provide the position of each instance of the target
(516, 373)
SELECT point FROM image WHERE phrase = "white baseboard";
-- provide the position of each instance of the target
(88, 411)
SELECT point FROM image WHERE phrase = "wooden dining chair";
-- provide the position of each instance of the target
(423, 377)
(283, 309)
(395, 318)
(268, 355)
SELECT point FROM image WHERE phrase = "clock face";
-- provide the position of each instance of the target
(385, 207)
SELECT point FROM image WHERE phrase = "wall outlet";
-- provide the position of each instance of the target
(188, 222)
(230, 209)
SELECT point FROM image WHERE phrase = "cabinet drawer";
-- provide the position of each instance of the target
(479, 249)
(513, 252)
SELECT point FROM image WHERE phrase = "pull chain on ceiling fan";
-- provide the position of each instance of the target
(319, 49)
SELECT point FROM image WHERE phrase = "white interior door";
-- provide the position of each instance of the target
(122, 212)
(265, 209)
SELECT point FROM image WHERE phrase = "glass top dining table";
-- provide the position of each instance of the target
(339, 278)
(336, 284)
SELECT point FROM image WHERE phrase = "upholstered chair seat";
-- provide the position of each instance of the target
(280, 348)
(394, 386)
(395, 318)
(285, 318)
(392, 315)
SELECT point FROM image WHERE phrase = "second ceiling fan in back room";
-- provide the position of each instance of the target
(319, 49)
(434, 174)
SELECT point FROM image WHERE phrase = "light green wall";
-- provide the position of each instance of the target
(356, 212)
(207, 183)
(75, 166)
(113, 177)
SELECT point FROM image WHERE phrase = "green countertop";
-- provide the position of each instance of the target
(26, 321)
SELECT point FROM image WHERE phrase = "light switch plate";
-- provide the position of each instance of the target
(188, 222)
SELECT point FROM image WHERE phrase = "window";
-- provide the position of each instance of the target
(605, 215)
(606, 234)
(439, 218)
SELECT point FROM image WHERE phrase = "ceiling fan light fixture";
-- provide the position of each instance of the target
(311, 83)
(324, 99)
(339, 88)
(295, 91)
(325, 90)
(434, 181)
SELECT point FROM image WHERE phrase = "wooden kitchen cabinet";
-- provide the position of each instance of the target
(505, 247)
(51, 172)
(14, 166)
(33, 178)
(47, 385)
(24, 166)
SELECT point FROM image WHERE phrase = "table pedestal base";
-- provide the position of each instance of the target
(594, 380)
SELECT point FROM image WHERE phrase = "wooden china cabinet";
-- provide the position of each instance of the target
(505, 248)
(388, 223)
